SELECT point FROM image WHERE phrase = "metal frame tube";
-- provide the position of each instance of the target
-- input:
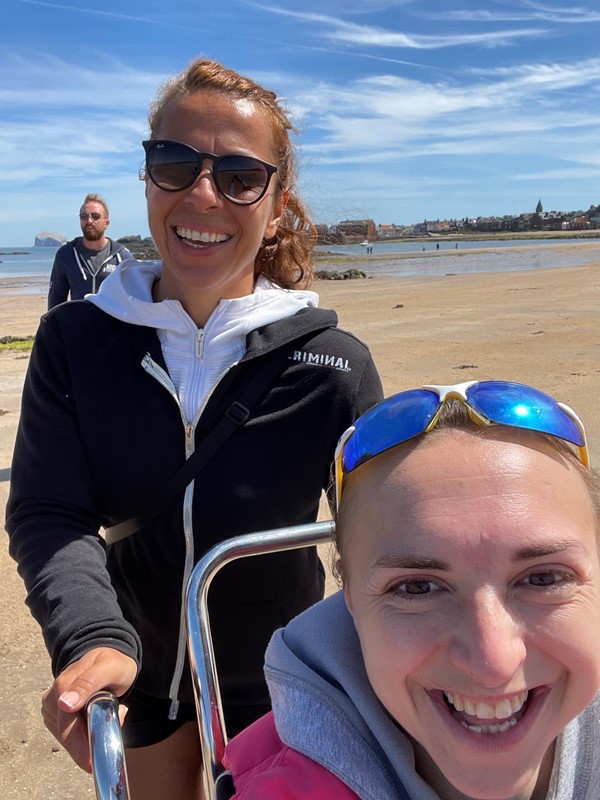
(213, 736)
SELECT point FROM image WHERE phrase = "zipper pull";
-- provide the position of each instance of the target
(200, 343)
(189, 440)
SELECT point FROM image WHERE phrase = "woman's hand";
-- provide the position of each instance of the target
(101, 668)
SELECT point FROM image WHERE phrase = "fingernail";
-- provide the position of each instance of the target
(69, 699)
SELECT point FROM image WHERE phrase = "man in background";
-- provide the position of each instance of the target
(82, 264)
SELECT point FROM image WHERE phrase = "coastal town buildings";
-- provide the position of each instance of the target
(352, 230)
(365, 230)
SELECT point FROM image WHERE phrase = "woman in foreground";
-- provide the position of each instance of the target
(125, 385)
(462, 659)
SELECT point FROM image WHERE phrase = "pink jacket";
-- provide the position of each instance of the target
(264, 768)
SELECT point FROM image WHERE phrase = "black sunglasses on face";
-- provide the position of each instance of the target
(173, 166)
(93, 215)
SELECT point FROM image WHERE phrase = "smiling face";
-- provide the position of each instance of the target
(471, 571)
(208, 244)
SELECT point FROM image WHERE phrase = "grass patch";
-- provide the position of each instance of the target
(20, 343)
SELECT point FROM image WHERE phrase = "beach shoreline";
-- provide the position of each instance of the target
(538, 327)
(27, 284)
(553, 245)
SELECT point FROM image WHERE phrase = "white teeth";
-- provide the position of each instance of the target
(504, 726)
(201, 236)
(471, 709)
(517, 702)
(503, 709)
(485, 711)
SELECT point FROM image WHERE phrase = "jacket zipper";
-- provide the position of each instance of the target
(200, 343)
(86, 271)
(157, 372)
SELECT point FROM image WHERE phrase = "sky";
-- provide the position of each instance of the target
(406, 110)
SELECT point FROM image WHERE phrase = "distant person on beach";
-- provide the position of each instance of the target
(462, 658)
(82, 264)
(125, 387)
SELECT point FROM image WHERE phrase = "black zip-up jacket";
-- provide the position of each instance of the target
(70, 274)
(99, 436)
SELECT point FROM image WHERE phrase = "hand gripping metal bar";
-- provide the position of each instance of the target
(106, 747)
(213, 736)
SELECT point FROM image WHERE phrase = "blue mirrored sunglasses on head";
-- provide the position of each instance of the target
(403, 416)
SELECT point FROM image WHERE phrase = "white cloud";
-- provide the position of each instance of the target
(561, 174)
(556, 76)
(338, 30)
(570, 15)
(36, 79)
(60, 122)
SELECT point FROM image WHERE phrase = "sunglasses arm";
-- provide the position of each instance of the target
(581, 449)
(338, 464)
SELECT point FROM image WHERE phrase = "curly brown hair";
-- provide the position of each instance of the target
(286, 258)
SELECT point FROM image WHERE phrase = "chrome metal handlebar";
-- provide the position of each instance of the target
(213, 736)
(106, 747)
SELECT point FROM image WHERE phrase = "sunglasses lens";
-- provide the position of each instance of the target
(523, 407)
(397, 419)
(241, 178)
(172, 166)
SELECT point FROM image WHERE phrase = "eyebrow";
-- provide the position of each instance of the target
(411, 562)
(539, 551)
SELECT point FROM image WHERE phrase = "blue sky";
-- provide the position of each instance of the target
(407, 110)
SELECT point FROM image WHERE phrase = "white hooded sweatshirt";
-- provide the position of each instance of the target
(196, 357)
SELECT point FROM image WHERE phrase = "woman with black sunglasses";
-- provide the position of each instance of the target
(105, 428)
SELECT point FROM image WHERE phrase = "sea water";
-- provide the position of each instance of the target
(508, 255)
(25, 262)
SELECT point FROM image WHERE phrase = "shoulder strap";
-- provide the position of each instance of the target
(236, 415)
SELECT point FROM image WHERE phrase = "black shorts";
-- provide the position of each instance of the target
(147, 721)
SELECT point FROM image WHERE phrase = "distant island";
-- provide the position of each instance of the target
(49, 239)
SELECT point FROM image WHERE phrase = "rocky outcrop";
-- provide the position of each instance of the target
(142, 249)
(333, 275)
(49, 239)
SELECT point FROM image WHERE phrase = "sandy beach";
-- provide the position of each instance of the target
(538, 327)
